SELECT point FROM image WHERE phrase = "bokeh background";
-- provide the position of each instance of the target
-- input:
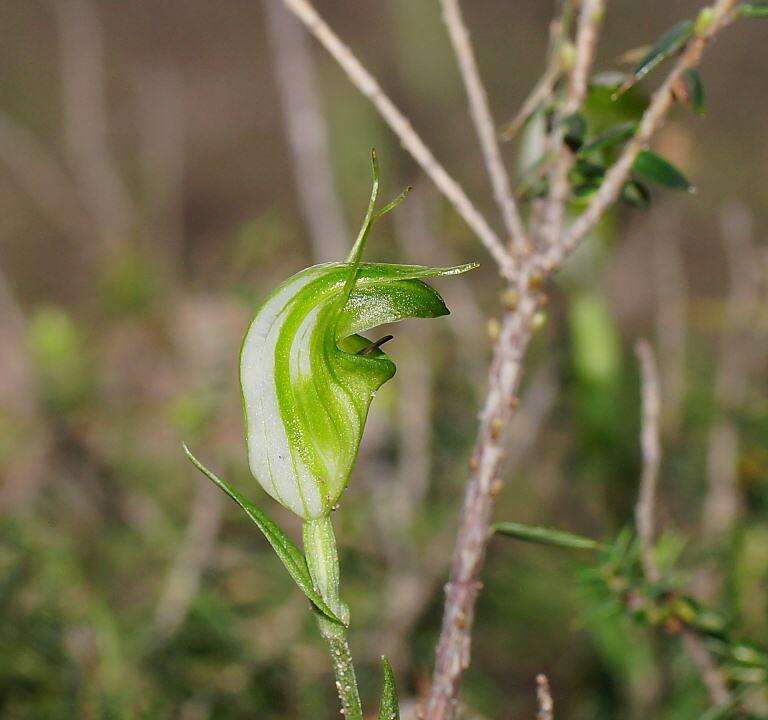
(164, 165)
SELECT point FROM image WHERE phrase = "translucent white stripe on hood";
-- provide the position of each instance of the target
(269, 456)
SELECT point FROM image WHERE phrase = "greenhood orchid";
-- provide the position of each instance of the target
(308, 376)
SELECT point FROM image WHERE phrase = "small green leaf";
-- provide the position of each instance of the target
(753, 10)
(667, 45)
(636, 194)
(575, 129)
(586, 170)
(655, 168)
(585, 191)
(546, 536)
(389, 709)
(695, 90)
(704, 21)
(286, 549)
(615, 136)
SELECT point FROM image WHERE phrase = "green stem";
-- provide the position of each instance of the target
(323, 561)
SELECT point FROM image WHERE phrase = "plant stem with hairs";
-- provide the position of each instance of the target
(323, 562)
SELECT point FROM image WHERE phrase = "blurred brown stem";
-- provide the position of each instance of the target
(307, 134)
(480, 111)
(86, 119)
(645, 512)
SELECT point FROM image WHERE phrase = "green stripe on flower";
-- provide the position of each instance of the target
(306, 383)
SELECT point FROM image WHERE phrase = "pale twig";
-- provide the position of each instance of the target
(545, 87)
(546, 706)
(590, 19)
(484, 126)
(85, 119)
(401, 126)
(307, 133)
(710, 675)
(652, 118)
(453, 650)
(541, 91)
(645, 510)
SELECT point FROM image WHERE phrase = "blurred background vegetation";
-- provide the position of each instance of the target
(150, 198)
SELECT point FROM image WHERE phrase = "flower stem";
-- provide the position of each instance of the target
(323, 561)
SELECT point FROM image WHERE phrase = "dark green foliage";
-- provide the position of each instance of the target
(655, 168)
(636, 194)
(753, 10)
(695, 88)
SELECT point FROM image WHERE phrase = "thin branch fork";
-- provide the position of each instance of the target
(461, 592)
(484, 125)
(652, 119)
(545, 87)
(590, 20)
(401, 126)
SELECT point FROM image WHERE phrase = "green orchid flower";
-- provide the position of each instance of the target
(308, 377)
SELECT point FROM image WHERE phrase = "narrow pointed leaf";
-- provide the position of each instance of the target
(615, 136)
(389, 709)
(290, 555)
(753, 10)
(668, 44)
(546, 536)
(695, 90)
(655, 168)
